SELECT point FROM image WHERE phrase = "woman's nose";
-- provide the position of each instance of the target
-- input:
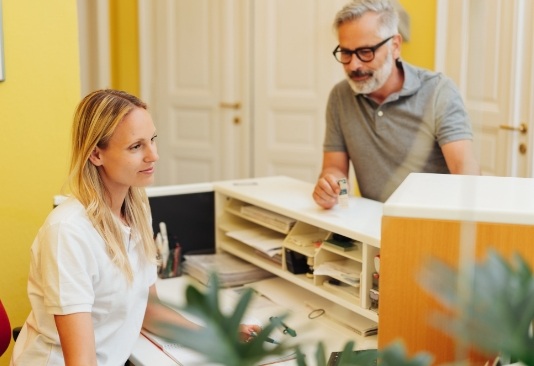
(152, 153)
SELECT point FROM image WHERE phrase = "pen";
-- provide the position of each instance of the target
(287, 330)
(268, 339)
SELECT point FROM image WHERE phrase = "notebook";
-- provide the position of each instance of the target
(187, 357)
(181, 355)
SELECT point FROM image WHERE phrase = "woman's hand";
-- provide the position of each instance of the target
(247, 331)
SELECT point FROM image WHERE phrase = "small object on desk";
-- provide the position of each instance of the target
(268, 339)
(335, 357)
(343, 246)
(251, 183)
(174, 263)
(165, 244)
(374, 296)
(296, 263)
(343, 192)
(342, 243)
(359, 324)
(287, 330)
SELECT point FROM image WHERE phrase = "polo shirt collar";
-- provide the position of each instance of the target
(412, 83)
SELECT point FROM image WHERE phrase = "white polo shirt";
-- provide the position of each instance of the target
(71, 272)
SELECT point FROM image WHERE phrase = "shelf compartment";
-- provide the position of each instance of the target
(260, 216)
(305, 235)
(248, 253)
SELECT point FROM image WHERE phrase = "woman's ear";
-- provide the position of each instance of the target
(95, 157)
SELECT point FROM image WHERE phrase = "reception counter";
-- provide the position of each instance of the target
(455, 219)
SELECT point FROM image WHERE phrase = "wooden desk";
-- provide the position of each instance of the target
(309, 332)
(452, 218)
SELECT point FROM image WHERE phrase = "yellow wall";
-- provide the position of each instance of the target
(124, 46)
(36, 105)
(419, 50)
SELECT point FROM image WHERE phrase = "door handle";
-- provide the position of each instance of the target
(521, 128)
(235, 105)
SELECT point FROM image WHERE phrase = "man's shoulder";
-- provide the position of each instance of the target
(420, 73)
(417, 78)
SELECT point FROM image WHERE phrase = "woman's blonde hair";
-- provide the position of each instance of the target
(95, 121)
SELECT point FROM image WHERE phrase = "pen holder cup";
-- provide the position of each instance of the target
(173, 265)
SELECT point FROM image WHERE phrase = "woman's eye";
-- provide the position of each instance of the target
(135, 147)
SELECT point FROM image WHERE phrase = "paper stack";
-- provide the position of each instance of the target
(231, 270)
(273, 219)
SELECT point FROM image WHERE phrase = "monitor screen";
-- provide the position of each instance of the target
(189, 214)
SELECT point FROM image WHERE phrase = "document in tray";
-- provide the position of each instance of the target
(342, 270)
(271, 218)
(231, 270)
(265, 240)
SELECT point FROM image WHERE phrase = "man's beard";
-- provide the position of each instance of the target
(377, 80)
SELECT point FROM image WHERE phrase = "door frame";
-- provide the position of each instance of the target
(513, 139)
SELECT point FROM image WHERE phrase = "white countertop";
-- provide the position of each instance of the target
(489, 199)
(291, 197)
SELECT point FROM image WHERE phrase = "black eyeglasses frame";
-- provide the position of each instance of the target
(357, 51)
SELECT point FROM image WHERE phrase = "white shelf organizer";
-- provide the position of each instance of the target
(308, 222)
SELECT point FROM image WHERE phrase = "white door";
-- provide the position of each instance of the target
(486, 47)
(295, 70)
(194, 57)
(239, 86)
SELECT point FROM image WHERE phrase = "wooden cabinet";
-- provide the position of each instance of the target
(280, 211)
(455, 219)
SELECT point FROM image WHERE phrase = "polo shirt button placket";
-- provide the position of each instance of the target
(380, 113)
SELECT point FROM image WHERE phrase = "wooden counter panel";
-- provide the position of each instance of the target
(404, 306)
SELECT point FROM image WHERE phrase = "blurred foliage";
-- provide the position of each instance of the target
(219, 340)
(492, 304)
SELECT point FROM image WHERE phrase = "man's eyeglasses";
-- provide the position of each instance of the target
(365, 54)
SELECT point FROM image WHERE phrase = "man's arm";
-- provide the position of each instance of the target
(460, 157)
(335, 166)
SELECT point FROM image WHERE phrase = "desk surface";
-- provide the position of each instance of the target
(490, 199)
(293, 198)
(285, 295)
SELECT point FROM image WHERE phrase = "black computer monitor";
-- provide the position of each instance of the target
(189, 214)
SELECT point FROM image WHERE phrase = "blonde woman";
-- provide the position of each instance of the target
(93, 262)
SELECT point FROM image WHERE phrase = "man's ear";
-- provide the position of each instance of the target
(397, 43)
(95, 157)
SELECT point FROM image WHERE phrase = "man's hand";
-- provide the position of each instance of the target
(326, 191)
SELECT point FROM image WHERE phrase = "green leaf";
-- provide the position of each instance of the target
(395, 355)
(219, 338)
(494, 300)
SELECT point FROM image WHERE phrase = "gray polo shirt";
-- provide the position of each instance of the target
(386, 142)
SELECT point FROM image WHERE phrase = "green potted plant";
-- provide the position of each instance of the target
(220, 343)
(493, 312)
(496, 318)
